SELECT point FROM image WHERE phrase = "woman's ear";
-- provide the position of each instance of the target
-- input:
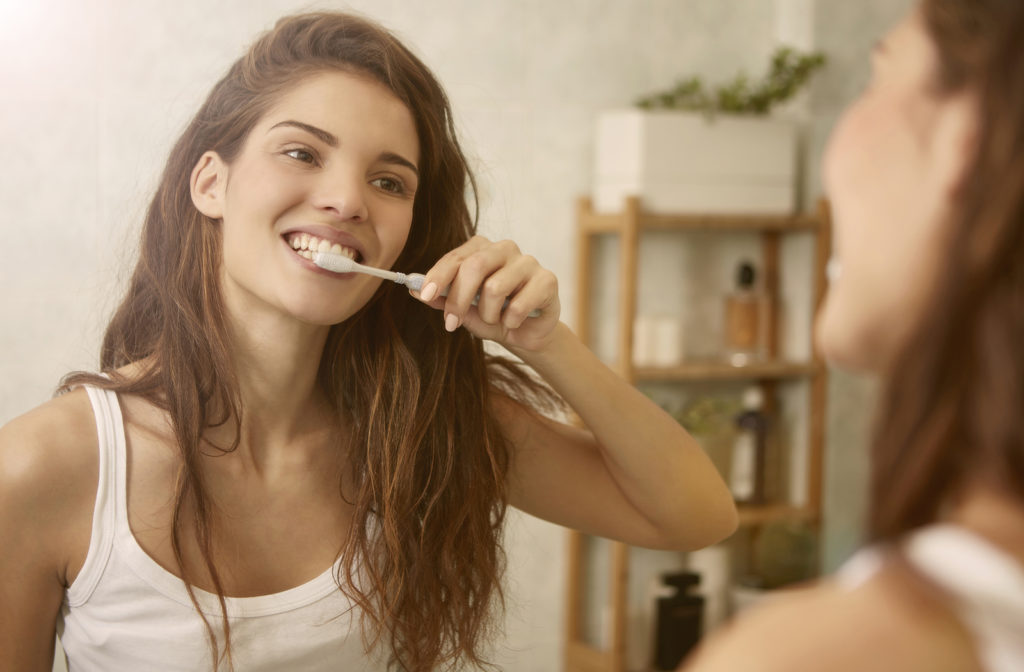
(207, 184)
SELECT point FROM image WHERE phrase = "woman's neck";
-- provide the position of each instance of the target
(990, 512)
(277, 360)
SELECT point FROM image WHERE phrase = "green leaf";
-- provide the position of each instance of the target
(789, 72)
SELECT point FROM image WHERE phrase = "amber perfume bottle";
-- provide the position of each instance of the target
(745, 318)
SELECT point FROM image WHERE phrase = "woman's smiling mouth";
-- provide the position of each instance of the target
(305, 245)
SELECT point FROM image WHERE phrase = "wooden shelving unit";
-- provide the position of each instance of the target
(698, 371)
(628, 226)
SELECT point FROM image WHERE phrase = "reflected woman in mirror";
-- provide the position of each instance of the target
(926, 175)
(284, 468)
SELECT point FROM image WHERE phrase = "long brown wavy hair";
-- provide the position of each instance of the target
(423, 558)
(953, 408)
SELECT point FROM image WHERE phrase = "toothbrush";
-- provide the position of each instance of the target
(338, 263)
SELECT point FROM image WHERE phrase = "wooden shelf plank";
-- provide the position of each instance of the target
(582, 658)
(598, 222)
(591, 222)
(595, 223)
(716, 370)
(759, 515)
(726, 222)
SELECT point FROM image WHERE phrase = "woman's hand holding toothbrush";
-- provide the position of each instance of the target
(496, 271)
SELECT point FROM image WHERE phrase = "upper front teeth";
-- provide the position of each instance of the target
(307, 245)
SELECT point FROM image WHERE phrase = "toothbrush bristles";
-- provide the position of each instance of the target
(336, 263)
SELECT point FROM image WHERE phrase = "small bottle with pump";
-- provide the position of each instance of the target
(746, 472)
(745, 318)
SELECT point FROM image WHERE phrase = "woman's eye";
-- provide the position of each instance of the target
(301, 155)
(390, 185)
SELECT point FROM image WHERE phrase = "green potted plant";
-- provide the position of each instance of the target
(784, 554)
(695, 148)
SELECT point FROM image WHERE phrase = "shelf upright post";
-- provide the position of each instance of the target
(576, 650)
(629, 243)
(579, 655)
(770, 241)
(819, 379)
(770, 286)
(584, 254)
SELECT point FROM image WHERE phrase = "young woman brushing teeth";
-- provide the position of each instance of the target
(282, 467)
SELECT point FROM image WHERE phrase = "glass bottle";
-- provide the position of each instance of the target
(744, 318)
(746, 472)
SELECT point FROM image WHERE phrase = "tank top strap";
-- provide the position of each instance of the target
(110, 512)
(987, 584)
(860, 568)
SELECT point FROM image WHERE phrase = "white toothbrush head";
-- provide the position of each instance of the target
(336, 263)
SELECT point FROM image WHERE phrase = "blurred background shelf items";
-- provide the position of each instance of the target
(614, 592)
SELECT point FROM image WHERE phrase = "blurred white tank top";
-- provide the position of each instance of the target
(985, 583)
(126, 612)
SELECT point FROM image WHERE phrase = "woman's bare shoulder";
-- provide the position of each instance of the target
(49, 455)
(891, 622)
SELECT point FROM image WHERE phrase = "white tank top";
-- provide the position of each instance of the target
(985, 584)
(126, 612)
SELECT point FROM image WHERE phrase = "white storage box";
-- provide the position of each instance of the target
(687, 162)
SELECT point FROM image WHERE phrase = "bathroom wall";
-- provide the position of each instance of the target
(93, 93)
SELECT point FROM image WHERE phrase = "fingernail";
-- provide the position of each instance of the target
(451, 322)
(428, 292)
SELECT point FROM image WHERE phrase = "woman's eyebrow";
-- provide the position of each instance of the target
(320, 133)
(332, 141)
(398, 159)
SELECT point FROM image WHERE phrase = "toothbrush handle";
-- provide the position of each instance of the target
(414, 281)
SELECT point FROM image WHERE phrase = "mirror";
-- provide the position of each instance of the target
(95, 93)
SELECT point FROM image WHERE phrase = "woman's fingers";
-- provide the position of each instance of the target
(503, 286)
(473, 273)
(462, 272)
(492, 289)
(538, 293)
(442, 273)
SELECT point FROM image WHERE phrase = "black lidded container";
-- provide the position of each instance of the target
(679, 621)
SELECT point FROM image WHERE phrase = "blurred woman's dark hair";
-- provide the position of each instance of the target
(953, 407)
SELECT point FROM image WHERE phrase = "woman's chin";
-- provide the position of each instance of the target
(843, 344)
(322, 316)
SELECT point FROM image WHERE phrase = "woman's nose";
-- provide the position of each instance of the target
(342, 196)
